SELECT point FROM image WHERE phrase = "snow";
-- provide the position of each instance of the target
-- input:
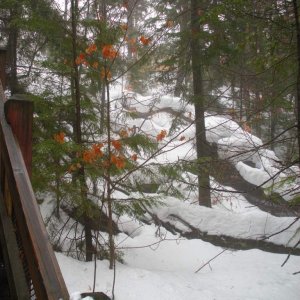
(166, 271)
(253, 175)
(233, 143)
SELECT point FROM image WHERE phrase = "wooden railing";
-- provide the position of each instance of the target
(32, 268)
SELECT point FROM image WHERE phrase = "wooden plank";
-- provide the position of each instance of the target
(19, 115)
(44, 269)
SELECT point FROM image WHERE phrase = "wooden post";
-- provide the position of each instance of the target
(19, 114)
(3, 67)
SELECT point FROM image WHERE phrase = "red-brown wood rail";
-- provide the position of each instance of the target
(21, 206)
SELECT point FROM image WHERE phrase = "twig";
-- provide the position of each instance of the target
(284, 229)
(207, 263)
(295, 273)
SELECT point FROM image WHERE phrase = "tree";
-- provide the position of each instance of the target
(202, 147)
(297, 27)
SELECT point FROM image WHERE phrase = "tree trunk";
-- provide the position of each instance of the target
(101, 85)
(184, 55)
(297, 25)
(130, 23)
(77, 128)
(201, 143)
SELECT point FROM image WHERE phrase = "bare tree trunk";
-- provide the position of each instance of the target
(201, 143)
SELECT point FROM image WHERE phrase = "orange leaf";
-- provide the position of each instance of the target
(120, 164)
(161, 135)
(118, 161)
(145, 41)
(88, 156)
(108, 52)
(59, 137)
(134, 157)
(80, 59)
(97, 149)
(117, 145)
(182, 138)
(90, 49)
(113, 159)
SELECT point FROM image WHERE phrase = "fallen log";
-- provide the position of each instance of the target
(222, 240)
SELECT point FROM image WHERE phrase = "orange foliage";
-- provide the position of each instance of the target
(91, 49)
(145, 41)
(117, 145)
(80, 59)
(59, 137)
(88, 156)
(161, 135)
(91, 155)
(109, 52)
(97, 149)
(118, 161)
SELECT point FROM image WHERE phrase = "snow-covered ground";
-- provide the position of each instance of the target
(160, 265)
(166, 271)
